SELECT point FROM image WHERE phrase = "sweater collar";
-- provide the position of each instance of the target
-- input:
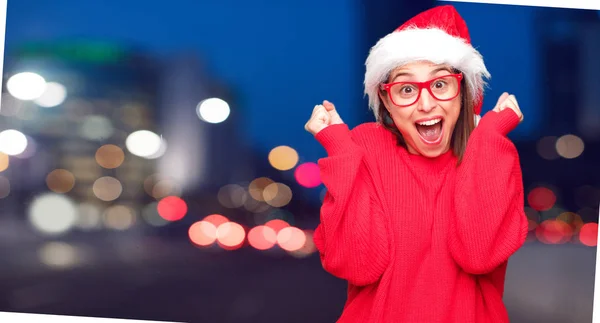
(437, 164)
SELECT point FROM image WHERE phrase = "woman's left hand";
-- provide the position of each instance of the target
(508, 101)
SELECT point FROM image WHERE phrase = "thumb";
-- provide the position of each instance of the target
(335, 117)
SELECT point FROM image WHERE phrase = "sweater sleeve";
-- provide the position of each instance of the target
(352, 235)
(489, 223)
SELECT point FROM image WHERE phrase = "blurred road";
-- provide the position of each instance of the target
(151, 279)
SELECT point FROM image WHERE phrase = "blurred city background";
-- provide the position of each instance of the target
(154, 163)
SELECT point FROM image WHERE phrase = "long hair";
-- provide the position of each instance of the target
(462, 130)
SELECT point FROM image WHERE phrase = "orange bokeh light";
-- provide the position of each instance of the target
(230, 235)
(262, 237)
(203, 233)
(291, 239)
(277, 225)
(216, 219)
(308, 248)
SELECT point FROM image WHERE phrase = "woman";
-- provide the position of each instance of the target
(425, 206)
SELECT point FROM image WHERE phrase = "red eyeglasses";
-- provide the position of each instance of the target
(443, 88)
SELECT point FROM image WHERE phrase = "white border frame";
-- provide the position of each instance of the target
(571, 4)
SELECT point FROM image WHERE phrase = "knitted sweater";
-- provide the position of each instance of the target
(421, 240)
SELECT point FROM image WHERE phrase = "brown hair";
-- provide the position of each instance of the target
(462, 131)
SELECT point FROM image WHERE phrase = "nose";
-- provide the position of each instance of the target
(426, 101)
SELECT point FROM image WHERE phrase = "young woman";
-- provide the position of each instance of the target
(425, 206)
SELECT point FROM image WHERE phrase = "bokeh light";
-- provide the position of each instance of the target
(4, 162)
(257, 186)
(262, 237)
(541, 198)
(172, 208)
(308, 175)
(569, 146)
(162, 149)
(60, 181)
(291, 238)
(151, 216)
(277, 225)
(26, 86)
(277, 194)
(231, 235)
(107, 188)
(88, 217)
(30, 149)
(52, 213)
(216, 219)
(143, 143)
(12, 142)
(213, 110)
(119, 217)
(572, 219)
(546, 148)
(283, 158)
(96, 128)
(54, 94)
(232, 196)
(165, 187)
(58, 255)
(110, 156)
(254, 206)
(151, 181)
(203, 233)
(588, 235)
(307, 249)
(553, 232)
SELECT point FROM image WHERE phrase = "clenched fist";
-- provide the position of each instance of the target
(506, 101)
(323, 115)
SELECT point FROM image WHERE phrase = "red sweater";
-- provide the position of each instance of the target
(421, 240)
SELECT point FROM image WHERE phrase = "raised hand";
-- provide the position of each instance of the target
(323, 115)
(508, 101)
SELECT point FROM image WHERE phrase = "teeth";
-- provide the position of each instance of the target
(430, 122)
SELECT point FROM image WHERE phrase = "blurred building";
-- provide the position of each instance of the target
(202, 120)
(79, 130)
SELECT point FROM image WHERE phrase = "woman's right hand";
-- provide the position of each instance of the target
(323, 115)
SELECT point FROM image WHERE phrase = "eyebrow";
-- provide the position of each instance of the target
(443, 68)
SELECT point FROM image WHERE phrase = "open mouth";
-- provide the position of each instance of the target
(430, 130)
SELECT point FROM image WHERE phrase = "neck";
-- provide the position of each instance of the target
(413, 151)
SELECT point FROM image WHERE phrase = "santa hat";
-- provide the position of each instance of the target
(438, 35)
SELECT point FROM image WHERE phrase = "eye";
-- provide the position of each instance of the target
(406, 90)
(439, 84)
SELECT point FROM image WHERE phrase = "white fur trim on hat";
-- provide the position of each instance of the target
(431, 44)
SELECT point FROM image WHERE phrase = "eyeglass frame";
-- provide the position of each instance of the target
(427, 84)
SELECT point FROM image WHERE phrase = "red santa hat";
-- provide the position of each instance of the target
(438, 35)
